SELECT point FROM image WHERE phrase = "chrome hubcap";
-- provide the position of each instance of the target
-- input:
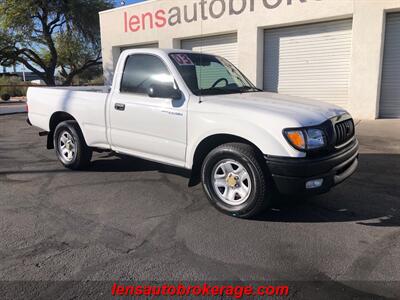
(66, 146)
(231, 182)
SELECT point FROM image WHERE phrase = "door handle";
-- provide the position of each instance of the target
(119, 106)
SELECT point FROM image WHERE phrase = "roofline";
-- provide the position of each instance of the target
(165, 51)
(162, 50)
(127, 6)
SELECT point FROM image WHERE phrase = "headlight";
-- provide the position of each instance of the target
(306, 139)
(315, 139)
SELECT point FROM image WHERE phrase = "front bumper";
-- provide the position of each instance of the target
(291, 174)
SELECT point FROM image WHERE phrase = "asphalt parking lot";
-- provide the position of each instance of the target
(126, 219)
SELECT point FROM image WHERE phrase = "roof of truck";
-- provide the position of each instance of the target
(161, 50)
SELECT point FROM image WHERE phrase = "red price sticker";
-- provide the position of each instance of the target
(182, 60)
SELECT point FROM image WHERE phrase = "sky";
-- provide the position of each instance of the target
(127, 2)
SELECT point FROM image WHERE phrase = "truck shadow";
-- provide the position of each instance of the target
(370, 197)
(112, 162)
(322, 210)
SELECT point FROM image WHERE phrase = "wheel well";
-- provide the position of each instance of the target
(59, 117)
(207, 145)
(56, 119)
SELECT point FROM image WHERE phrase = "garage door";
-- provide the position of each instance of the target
(390, 95)
(154, 45)
(222, 45)
(311, 61)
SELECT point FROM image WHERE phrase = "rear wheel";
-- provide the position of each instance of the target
(71, 148)
(235, 180)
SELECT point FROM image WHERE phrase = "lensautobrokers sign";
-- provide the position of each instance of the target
(201, 10)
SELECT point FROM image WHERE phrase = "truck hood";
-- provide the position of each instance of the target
(305, 111)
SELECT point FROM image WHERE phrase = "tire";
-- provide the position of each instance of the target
(236, 180)
(70, 146)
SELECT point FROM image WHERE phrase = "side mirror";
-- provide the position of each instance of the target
(164, 91)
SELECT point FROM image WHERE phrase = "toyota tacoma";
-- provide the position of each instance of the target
(199, 112)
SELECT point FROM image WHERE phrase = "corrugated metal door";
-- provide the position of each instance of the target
(390, 90)
(311, 61)
(223, 45)
(154, 45)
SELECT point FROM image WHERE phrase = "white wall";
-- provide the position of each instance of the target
(368, 35)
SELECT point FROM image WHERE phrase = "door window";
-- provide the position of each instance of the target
(141, 71)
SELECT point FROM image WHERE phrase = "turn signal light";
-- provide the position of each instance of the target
(296, 138)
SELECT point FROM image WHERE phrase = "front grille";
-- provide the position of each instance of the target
(344, 131)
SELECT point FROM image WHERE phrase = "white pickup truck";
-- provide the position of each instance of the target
(199, 112)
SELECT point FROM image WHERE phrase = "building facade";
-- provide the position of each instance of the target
(345, 52)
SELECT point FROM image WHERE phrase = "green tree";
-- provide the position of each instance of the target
(50, 35)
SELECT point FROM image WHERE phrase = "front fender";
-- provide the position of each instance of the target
(268, 143)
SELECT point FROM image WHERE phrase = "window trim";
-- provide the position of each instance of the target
(148, 54)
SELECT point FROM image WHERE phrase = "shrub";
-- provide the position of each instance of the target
(99, 80)
(5, 97)
(12, 87)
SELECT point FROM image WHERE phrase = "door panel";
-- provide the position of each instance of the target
(152, 128)
(149, 127)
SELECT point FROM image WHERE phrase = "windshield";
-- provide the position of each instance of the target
(208, 75)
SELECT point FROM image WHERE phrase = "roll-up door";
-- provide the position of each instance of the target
(390, 89)
(223, 45)
(312, 61)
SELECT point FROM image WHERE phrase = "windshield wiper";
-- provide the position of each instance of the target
(217, 90)
(214, 90)
(248, 88)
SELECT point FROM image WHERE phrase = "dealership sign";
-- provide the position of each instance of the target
(201, 10)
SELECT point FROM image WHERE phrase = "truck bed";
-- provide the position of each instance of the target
(85, 103)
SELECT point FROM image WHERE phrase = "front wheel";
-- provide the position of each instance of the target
(71, 148)
(235, 180)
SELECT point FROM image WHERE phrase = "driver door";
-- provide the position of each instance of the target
(152, 128)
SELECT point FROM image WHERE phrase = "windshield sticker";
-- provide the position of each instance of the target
(182, 59)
